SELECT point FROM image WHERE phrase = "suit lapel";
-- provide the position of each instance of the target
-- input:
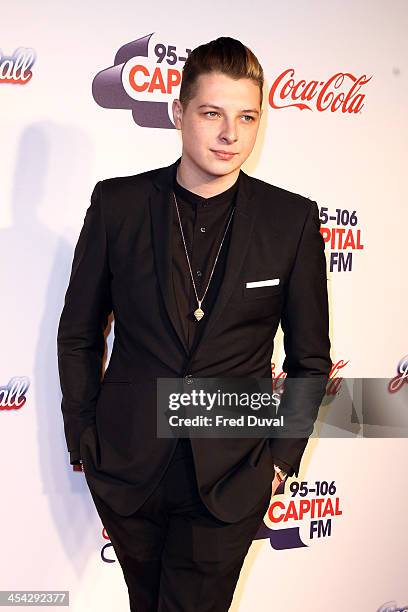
(162, 222)
(162, 210)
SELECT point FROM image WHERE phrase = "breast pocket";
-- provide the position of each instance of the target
(262, 288)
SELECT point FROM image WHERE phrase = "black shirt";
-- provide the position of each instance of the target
(203, 221)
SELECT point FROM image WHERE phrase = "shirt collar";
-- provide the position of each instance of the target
(197, 200)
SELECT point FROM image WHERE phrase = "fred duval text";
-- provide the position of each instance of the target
(249, 420)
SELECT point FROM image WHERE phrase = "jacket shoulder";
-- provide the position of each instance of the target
(121, 196)
(118, 184)
(270, 194)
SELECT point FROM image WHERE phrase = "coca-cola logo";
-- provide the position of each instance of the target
(13, 395)
(333, 384)
(339, 92)
(16, 69)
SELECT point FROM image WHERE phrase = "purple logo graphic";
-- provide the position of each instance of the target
(144, 79)
(391, 606)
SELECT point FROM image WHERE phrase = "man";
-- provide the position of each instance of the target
(199, 263)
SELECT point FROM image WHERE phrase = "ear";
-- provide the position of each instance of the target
(177, 110)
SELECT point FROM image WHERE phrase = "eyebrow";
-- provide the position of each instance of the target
(247, 110)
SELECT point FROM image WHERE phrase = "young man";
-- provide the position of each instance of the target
(173, 252)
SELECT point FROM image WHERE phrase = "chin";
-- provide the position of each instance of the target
(221, 167)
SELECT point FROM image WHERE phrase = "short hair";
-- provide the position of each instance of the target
(225, 55)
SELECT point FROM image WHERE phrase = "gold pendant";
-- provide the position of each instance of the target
(199, 314)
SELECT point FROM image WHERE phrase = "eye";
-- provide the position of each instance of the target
(249, 117)
(210, 113)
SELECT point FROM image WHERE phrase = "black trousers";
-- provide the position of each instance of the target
(175, 555)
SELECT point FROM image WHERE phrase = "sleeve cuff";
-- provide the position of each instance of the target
(284, 466)
(74, 457)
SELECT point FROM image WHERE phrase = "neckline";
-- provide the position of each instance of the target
(195, 199)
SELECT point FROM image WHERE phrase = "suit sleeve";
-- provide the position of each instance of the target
(80, 337)
(283, 466)
(305, 325)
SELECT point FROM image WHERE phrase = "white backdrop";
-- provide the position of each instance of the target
(57, 142)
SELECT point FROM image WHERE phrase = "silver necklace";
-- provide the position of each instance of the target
(199, 313)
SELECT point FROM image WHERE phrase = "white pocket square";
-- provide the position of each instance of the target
(263, 283)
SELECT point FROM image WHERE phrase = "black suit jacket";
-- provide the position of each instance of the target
(122, 264)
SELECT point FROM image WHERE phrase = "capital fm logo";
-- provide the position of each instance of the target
(13, 396)
(313, 508)
(16, 69)
(391, 606)
(147, 72)
(144, 79)
(107, 551)
(401, 378)
(343, 237)
(309, 514)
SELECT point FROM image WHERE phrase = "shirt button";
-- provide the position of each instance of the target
(188, 378)
(202, 229)
(199, 272)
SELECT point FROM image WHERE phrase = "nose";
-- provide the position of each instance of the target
(229, 132)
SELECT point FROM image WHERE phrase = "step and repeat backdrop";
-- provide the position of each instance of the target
(85, 94)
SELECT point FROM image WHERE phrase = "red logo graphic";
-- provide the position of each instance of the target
(323, 93)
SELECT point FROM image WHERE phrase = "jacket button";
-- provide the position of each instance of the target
(188, 378)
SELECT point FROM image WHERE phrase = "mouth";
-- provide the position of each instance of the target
(223, 154)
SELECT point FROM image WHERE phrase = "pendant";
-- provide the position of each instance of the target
(199, 314)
